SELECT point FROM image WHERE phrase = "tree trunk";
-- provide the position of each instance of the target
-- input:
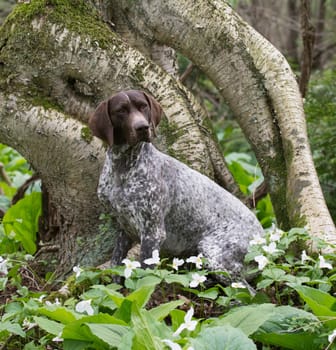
(257, 82)
(308, 38)
(54, 69)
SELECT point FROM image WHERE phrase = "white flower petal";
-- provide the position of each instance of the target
(323, 264)
(171, 344)
(257, 239)
(177, 262)
(77, 270)
(262, 261)
(332, 336)
(154, 260)
(84, 306)
(271, 248)
(237, 285)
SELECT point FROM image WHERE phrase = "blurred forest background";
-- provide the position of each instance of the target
(305, 32)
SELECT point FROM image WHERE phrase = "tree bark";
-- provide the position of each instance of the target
(257, 82)
(308, 39)
(54, 69)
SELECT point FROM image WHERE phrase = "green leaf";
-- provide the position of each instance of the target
(321, 303)
(184, 280)
(111, 334)
(222, 337)
(49, 326)
(149, 281)
(161, 311)
(59, 313)
(13, 328)
(290, 328)
(211, 293)
(77, 335)
(247, 318)
(148, 331)
(22, 220)
(141, 295)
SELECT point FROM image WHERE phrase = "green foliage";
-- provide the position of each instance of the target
(19, 225)
(92, 312)
(248, 175)
(320, 109)
(21, 221)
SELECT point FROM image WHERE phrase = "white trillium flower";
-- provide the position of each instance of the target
(276, 235)
(197, 260)
(262, 261)
(58, 338)
(28, 325)
(323, 264)
(187, 324)
(84, 306)
(332, 336)
(154, 260)
(177, 262)
(49, 303)
(304, 257)
(40, 299)
(77, 270)
(271, 248)
(3, 266)
(196, 280)
(171, 344)
(130, 266)
(237, 285)
(64, 290)
(257, 239)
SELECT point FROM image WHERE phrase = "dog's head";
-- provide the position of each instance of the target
(128, 117)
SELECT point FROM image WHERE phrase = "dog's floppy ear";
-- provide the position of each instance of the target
(155, 108)
(101, 124)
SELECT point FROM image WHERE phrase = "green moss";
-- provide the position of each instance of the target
(77, 16)
(86, 134)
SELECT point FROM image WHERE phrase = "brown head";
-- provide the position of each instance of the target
(128, 117)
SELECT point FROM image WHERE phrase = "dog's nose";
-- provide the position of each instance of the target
(141, 126)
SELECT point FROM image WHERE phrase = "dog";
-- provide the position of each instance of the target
(159, 202)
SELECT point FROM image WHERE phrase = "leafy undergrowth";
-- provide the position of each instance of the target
(289, 303)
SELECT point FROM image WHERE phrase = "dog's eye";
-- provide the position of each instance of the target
(142, 106)
(122, 111)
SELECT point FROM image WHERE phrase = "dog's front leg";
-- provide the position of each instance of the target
(151, 240)
(122, 244)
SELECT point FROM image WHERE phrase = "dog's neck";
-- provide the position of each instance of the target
(124, 157)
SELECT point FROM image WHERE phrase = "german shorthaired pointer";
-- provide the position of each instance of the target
(160, 202)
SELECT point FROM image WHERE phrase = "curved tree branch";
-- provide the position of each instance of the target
(258, 84)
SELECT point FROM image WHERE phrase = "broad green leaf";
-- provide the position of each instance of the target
(111, 334)
(21, 220)
(141, 295)
(321, 303)
(77, 334)
(177, 318)
(59, 313)
(247, 318)
(149, 281)
(222, 337)
(211, 293)
(148, 331)
(161, 311)
(290, 328)
(13, 328)
(301, 341)
(184, 280)
(49, 326)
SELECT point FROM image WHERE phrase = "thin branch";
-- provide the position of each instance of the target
(23, 188)
(187, 72)
(4, 175)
